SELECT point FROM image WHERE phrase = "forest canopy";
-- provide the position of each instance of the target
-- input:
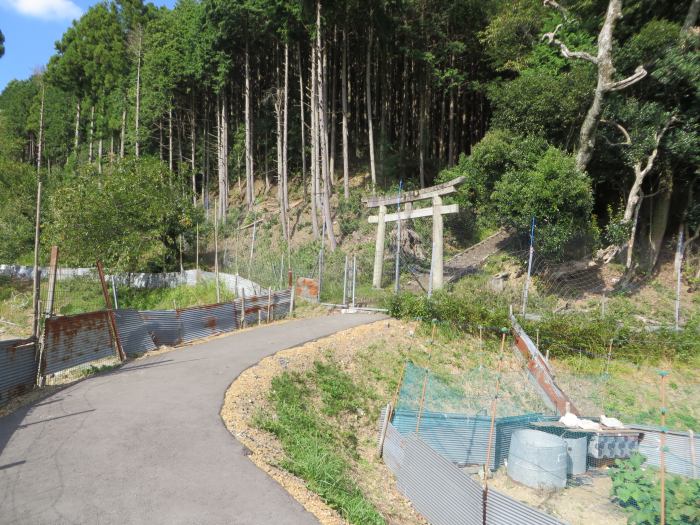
(581, 114)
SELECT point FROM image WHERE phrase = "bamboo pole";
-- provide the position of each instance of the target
(36, 282)
(110, 312)
(216, 252)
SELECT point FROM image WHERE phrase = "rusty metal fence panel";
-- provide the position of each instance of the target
(680, 448)
(17, 368)
(438, 489)
(164, 326)
(504, 510)
(133, 333)
(255, 310)
(203, 321)
(282, 301)
(75, 340)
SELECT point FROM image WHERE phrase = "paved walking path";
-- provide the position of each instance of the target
(145, 443)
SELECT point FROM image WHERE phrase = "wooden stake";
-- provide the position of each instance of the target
(269, 303)
(693, 459)
(110, 312)
(36, 282)
(662, 447)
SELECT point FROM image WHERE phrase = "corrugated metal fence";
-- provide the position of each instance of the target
(680, 448)
(444, 493)
(76, 340)
(73, 340)
(17, 367)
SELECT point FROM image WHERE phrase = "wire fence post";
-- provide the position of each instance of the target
(114, 294)
(354, 278)
(529, 266)
(345, 282)
(679, 265)
(662, 446)
(398, 239)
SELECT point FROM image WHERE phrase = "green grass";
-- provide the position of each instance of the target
(315, 451)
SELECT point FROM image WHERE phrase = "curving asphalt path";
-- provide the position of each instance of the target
(145, 443)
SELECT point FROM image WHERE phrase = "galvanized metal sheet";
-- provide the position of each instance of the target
(133, 333)
(393, 451)
(17, 368)
(504, 510)
(438, 489)
(164, 326)
(203, 321)
(679, 446)
(76, 339)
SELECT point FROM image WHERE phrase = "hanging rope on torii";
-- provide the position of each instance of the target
(437, 210)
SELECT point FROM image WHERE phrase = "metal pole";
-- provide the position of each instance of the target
(679, 264)
(493, 409)
(529, 265)
(398, 239)
(36, 282)
(197, 250)
(345, 282)
(354, 278)
(114, 293)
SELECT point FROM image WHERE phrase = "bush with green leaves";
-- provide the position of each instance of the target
(130, 216)
(637, 490)
(557, 195)
(17, 211)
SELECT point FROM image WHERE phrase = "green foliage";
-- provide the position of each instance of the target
(499, 152)
(467, 310)
(2, 44)
(556, 194)
(17, 210)
(313, 450)
(637, 489)
(617, 232)
(350, 213)
(130, 217)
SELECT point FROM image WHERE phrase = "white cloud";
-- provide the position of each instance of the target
(46, 9)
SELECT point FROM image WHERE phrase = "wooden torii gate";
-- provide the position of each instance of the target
(437, 210)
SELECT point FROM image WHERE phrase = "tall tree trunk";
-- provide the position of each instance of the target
(285, 133)
(193, 156)
(451, 130)
(170, 137)
(605, 84)
(302, 99)
(223, 156)
(278, 118)
(92, 133)
(249, 170)
(368, 96)
(322, 120)
(41, 127)
(332, 105)
(138, 101)
(344, 95)
(99, 155)
(314, 146)
(122, 138)
(77, 129)
(421, 133)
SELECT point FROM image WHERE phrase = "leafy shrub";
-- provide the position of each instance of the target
(637, 490)
(553, 191)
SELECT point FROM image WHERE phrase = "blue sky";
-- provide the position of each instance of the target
(31, 27)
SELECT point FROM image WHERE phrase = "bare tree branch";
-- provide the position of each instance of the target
(638, 75)
(565, 51)
(551, 3)
(628, 140)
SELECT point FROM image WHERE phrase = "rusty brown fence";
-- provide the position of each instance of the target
(17, 368)
(72, 345)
